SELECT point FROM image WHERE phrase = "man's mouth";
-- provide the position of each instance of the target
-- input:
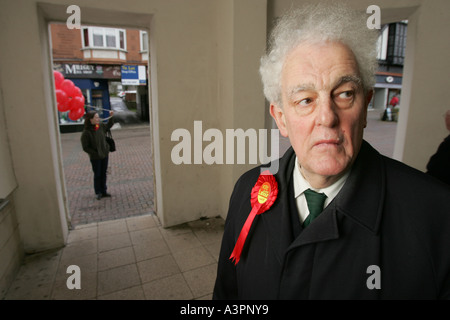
(327, 142)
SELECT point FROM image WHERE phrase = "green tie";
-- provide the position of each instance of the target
(315, 202)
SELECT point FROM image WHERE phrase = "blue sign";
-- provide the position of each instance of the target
(133, 75)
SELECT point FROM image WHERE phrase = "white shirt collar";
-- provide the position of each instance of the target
(300, 185)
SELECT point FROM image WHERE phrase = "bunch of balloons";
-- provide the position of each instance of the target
(68, 97)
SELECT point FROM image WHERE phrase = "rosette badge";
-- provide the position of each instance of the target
(264, 194)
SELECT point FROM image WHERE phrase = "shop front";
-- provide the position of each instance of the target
(93, 81)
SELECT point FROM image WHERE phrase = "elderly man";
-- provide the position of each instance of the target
(337, 220)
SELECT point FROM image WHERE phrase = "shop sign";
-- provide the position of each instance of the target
(134, 75)
(92, 71)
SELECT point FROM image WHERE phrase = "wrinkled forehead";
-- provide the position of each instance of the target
(319, 65)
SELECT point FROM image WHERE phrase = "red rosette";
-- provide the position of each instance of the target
(263, 195)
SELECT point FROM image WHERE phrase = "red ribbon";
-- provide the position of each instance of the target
(96, 127)
(264, 194)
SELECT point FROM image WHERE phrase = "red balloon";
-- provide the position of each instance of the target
(76, 92)
(76, 114)
(76, 103)
(68, 87)
(59, 78)
(62, 100)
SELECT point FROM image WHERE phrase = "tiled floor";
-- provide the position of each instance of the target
(130, 258)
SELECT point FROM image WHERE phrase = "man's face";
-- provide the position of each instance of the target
(324, 109)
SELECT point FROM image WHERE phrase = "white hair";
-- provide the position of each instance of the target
(319, 23)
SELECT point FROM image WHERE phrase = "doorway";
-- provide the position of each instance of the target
(93, 62)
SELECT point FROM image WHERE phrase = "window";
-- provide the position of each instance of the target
(397, 43)
(107, 38)
(382, 43)
(85, 37)
(144, 41)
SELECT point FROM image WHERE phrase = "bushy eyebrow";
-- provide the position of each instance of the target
(300, 88)
(348, 78)
(344, 79)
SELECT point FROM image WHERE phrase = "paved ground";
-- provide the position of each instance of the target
(130, 177)
(380, 134)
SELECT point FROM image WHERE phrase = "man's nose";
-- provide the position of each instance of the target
(326, 112)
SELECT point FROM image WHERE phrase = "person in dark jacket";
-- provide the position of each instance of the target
(439, 164)
(94, 144)
(333, 218)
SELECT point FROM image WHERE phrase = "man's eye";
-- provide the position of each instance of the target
(346, 94)
(304, 102)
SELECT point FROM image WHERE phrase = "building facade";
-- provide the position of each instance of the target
(104, 63)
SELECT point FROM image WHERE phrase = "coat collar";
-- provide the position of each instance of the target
(367, 177)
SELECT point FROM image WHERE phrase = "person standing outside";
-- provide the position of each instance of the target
(94, 144)
(394, 101)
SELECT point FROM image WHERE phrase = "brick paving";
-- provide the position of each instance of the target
(130, 177)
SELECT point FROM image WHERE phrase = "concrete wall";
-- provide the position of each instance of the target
(380, 98)
(31, 127)
(11, 248)
(241, 38)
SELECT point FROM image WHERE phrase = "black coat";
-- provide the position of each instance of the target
(439, 164)
(387, 216)
(93, 141)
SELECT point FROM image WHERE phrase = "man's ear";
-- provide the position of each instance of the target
(278, 114)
